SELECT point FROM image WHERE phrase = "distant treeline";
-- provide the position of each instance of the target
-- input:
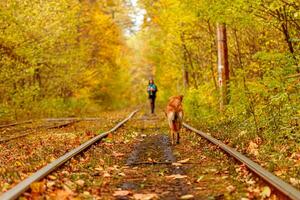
(61, 57)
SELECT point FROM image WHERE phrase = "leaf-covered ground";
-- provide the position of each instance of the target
(280, 158)
(138, 162)
(23, 156)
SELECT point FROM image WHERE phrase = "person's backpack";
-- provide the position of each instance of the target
(152, 93)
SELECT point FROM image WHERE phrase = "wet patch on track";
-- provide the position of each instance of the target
(154, 157)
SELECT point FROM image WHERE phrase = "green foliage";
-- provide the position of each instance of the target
(201, 104)
(263, 53)
(58, 52)
(61, 107)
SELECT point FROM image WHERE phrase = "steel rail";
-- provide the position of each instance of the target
(50, 119)
(73, 118)
(15, 124)
(285, 188)
(21, 187)
(32, 130)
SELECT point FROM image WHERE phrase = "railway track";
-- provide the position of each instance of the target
(147, 164)
(285, 189)
(27, 131)
(16, 191)
(55, 123)
(15, 124)
(48, 119)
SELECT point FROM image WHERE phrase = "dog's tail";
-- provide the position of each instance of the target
(174, 116)
(175, 120)
(171, 119)
(178, 120)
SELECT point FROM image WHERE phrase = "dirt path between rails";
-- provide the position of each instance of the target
(156, 150)
(138, 162)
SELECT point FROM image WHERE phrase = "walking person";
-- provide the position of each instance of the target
(152, 89)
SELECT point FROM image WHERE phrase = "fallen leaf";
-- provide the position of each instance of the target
(203, 157)
(187, 196)
(51, 177)
(101, 161)
(50, 184)
(106, 174)
(184, 161)
(62, 195)
(37, 187)
(294, 181)
(199, 179)
(224, 177)
(67, 189)
(99, 168)
(80, 182)
(212, 170)
(253, 192)
(145, 196)
(70, 184)
(231, 188)
(176, 176)
(176, 164)
(122, 193)
(116, 154)
(65, 172)
(242, 133)
(18, 163)
(5, 187)
(253, 148)
(266, 192)
(122, 174)
(250, 182)
(110, 169)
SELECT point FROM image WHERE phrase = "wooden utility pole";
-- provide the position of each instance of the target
(223, 66)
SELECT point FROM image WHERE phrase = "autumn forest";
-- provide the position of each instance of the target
(79, 58)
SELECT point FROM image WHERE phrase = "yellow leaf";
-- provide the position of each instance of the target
(80, 182)
(122, 193)
(187, 196)
(145, 196)
(37, 187)
(183, 161)
(266, 192)
(18, 164)
(62, 195)
(176, 176)
(176, 164)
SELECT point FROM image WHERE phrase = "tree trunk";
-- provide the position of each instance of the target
(223, 66)
(184, 67)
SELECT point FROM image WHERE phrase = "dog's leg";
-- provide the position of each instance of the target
(179, 124)
(171, 117)
(178, 137)
(173, 137)
(177, 132)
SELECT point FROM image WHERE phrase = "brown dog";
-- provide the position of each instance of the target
(174, 114)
